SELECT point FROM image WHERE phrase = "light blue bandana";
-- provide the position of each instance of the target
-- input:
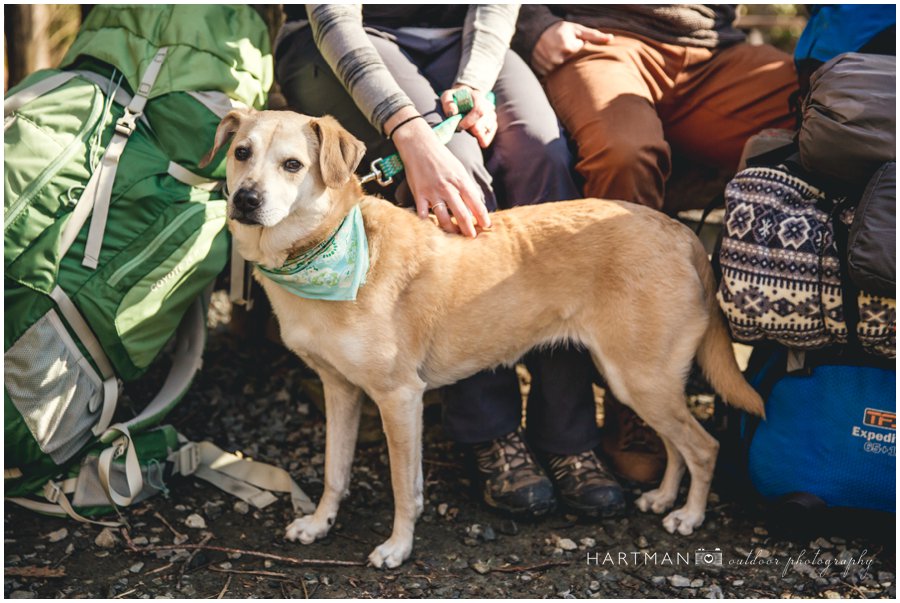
(334, 269)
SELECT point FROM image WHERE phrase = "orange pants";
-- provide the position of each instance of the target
(624, 103)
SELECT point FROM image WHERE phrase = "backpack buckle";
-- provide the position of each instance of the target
(52, 492)
(187, 459)
(125, 125)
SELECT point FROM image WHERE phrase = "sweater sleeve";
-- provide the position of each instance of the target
(486, 34)
(339, 35)
(534, 19)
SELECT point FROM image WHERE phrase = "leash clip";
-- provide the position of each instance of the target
(376, 174)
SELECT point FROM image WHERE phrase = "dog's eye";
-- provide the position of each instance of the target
(292, 165)
(242, 153)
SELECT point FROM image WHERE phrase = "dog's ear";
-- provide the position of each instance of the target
(339, 151)
(227, 128)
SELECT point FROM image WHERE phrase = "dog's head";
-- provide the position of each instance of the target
(283, 169)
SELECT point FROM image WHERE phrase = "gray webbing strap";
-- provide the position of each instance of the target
(26, 95)
(217, 102)
(133, 476)
(251, 481)
(59, 503)
(188, 177)
(99, 188)
(78, 324)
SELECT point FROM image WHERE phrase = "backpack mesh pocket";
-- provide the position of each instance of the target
(54, 387)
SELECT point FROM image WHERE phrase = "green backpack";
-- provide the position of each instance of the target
(112, 234)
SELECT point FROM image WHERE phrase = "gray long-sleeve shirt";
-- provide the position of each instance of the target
(339, 34)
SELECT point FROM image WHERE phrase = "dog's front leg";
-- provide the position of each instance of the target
(343, 402)
(401, 414)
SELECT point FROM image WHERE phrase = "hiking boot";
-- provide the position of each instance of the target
(634, 450)
(512, 481)
(585, 485)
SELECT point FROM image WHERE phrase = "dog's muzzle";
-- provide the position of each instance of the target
(245, 204)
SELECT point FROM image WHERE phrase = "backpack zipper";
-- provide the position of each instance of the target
(157, 241)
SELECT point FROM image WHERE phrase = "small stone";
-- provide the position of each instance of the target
(526, 578)
(140, 540)
(642, 542)
(70, 549)
(58, 535)
(268, 563)
(588, 542)
(760, 531)
(481, 567)
(241, 508)
(488, 535)
(696, 583)
(821, 543)
(763, 553)
(679, 581)
(566, 544)
(234, 555)
(106, 539)
(225, 565)
(737, 583)
(136, 568)
(658, 580)
(21, 594)
(195, 521)
(715, 592)
(830, 594)
(442, 509)
(594, 586)
(884, 577)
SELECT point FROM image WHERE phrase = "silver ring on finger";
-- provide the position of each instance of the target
(438, 204)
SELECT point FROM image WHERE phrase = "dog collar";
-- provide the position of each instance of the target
(332, 270)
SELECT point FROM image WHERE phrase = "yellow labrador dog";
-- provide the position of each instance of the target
(628, 283)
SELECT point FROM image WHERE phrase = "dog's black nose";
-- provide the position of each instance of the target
(247, 200)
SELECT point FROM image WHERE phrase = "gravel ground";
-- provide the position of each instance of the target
(258, 399)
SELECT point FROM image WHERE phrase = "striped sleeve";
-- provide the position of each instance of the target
(486, 35)
(339, 35)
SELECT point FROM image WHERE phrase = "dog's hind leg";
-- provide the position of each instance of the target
(667, 413)
(401, 414)
(656, 393)
(343, 403)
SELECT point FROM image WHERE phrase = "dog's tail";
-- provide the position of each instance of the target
(715, 355)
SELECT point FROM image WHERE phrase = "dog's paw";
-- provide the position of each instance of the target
(683, 521)
(391, 553)
(656, 501)
(307, 529)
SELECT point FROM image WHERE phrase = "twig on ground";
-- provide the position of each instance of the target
(190, 558)
(160, 569)
(35, 571)
(125, 594)
(305, 592)
(510, 569)
(224, 588)
(249, 572)
(178, 535)
(222, 549)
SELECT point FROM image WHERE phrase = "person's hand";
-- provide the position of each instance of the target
(480, 122)
(560, 42)
(437, 179)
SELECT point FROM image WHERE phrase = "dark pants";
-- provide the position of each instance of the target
(527, 163)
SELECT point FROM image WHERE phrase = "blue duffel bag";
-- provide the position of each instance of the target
(829, 433)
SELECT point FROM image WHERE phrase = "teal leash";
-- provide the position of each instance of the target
(384, 169)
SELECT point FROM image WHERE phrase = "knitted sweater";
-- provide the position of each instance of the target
(705, 25)
(338, 30)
